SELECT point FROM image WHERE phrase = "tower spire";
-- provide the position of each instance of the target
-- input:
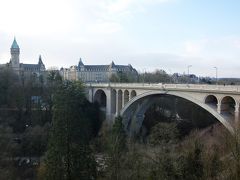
(14, 44)
(40, 59)
(80, 63)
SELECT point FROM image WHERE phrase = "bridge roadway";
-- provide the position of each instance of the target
(131, 100)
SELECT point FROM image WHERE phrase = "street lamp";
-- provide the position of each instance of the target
(188, 72)
(144, 72)
(188, 68)
(216, 74)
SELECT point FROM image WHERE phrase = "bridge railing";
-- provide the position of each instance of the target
(199, 87)
(203, 87)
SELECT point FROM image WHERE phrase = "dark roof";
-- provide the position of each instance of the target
(40, 60)
(112, 65)
(30, 67)
(97, 67)
(80, 62)
(108, 67)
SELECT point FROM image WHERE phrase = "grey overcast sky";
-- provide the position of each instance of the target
(149, 34)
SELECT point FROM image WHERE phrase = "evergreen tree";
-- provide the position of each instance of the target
(7, 149)
(69, 155)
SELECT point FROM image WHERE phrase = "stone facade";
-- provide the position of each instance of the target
(96, 73)
(21, 68)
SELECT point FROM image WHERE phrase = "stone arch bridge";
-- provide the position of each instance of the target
(131, 100)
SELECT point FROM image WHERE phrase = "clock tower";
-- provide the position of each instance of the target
(15, 51)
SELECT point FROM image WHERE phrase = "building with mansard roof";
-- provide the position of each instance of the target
(21, 68)
(96, 73)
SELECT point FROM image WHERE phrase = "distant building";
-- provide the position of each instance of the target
(20, 68)
(96, 73)
(184, 78)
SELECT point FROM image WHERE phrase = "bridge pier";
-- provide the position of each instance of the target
(117, 108)
(109, 105)
(122, 99)
(236, 113)
(219, 108)
(90, 95)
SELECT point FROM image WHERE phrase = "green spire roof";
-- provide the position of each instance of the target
(14, 44)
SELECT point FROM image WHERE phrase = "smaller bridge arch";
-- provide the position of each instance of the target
(228, 104)
(120, 100)
(101, 98)
(126, 96)
(133, 94)
(212, 101)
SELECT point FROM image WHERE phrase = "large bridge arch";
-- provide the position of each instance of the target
(126, 113)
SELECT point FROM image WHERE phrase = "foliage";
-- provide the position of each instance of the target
(7, 149)
(163, 165)
(75, 123)
(116, 150)
(69, 155)
(213, 164)
(27, 100)
(134, 164)
(34, 141)
(123, 77)
(163, 133)
(26, 104)
(118, 136)
(233, 143)
(193, 162)
(180, 160)
(159, 76)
